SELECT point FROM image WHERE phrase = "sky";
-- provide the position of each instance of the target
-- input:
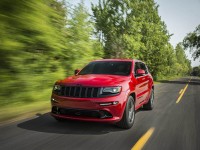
(180, 16)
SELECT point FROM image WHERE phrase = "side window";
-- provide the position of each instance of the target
(143, 66)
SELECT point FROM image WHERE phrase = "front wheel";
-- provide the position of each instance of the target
(129, 115)
(150, 104)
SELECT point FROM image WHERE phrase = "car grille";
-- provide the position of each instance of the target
(81, 112)
(79, 91)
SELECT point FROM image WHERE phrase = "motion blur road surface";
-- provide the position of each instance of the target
(176, 126)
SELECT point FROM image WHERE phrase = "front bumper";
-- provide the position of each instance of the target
(107, 109)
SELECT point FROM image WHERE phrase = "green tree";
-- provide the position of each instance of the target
(109, 23)
(80, 39)
(31, 44)
(132, 29)
(192, 41)
(183, 66)
(155, 37)
(196, 71)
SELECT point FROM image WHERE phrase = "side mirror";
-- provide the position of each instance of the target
(76, 71)
(140, 72)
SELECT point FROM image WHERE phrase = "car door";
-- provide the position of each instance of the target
(141, 84)
(146, 83)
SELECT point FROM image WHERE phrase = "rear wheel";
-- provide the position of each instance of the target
(150, 104)
(129, 114)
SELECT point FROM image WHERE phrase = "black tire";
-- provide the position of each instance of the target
(150, 104)
(128, 118)
(59, 119)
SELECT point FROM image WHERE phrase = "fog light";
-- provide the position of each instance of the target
(109, 103)
(53, 100)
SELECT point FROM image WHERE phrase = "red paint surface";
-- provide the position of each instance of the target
(139, 86)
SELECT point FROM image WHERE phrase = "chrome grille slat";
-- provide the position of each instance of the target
(83, 91)
(69, 91)
(92, 92)
(74, 91)
(86, 92)
(80, 91)
(95, 92)
(89, 91)
(65, 90)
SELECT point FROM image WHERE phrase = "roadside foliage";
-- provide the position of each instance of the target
(192, 41)
(42, 41)
(134, 29)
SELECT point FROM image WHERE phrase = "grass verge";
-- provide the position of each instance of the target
(167, 79)
(19, 111)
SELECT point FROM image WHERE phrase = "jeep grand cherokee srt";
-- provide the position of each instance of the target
(107, 90)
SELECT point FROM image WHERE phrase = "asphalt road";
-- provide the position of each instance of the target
(176, 126)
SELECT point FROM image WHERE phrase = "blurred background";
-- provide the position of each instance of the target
(42, 41)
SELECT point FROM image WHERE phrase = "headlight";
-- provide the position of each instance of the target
(57, 87)
(111, 90)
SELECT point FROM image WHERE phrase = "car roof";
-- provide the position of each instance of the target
(129, 60)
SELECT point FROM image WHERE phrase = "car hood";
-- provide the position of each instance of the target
(95, 80)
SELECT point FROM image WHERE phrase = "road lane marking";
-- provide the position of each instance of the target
(142, 141)
(181, 91)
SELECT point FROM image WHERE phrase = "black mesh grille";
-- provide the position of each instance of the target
(81, 113)
(79, 91)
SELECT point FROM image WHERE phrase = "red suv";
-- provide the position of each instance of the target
(107, 90)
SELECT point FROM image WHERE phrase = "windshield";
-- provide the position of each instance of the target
(107, 67)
